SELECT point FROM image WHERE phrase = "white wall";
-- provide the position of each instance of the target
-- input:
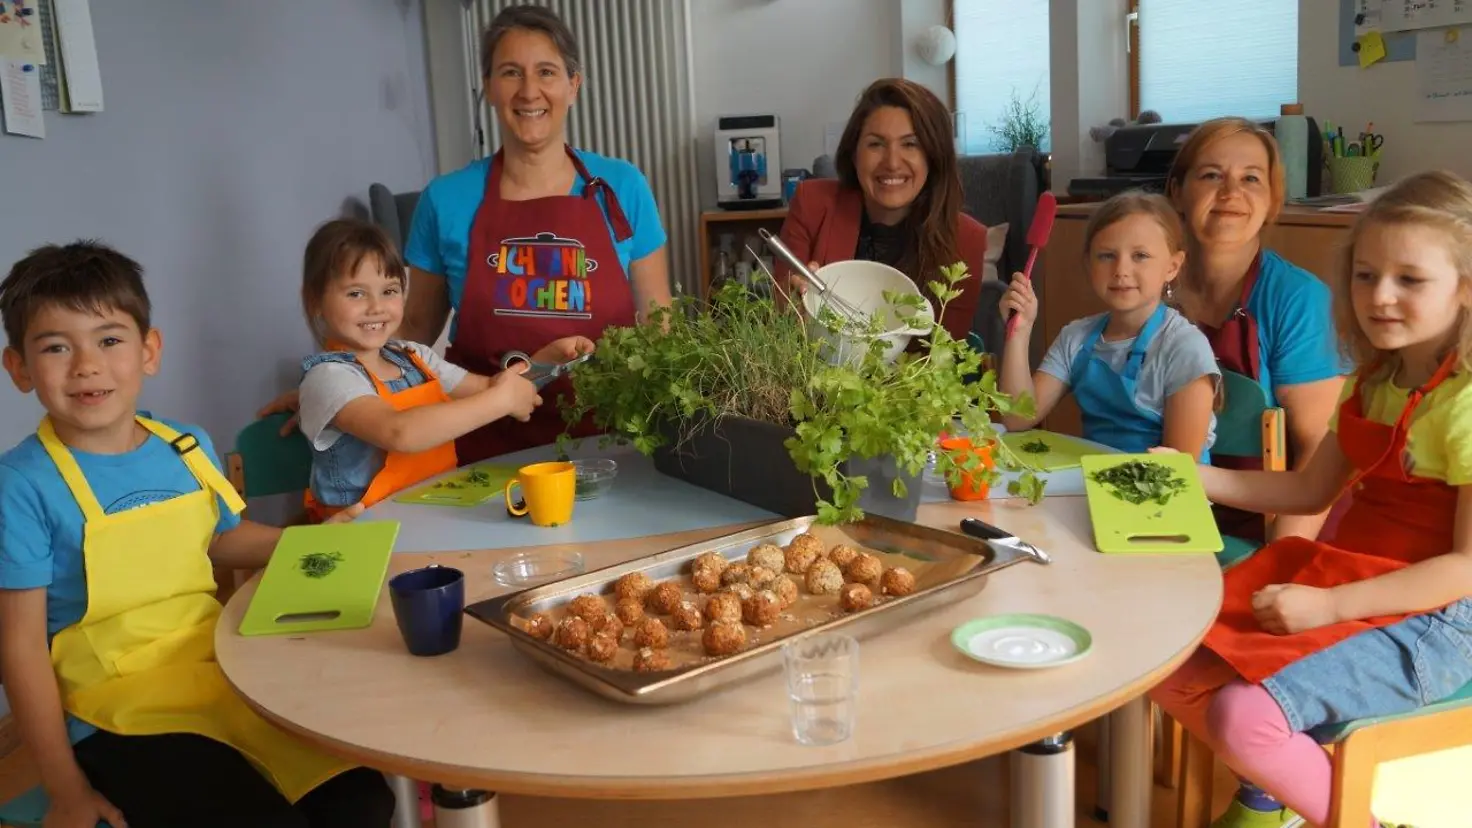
(1384, 94)
(805, 61)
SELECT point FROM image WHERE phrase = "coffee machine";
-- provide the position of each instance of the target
(748, 162)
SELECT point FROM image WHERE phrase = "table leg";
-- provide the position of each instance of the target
(1043, 784)
(1130, 765)
(1104, 787)
(455, 808)
(406, 801)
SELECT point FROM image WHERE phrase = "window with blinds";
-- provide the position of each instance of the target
(1203, 59)
(1001, 69)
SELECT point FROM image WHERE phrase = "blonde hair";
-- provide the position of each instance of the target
(1439, 200)
(1208, 133)
(1137, 203)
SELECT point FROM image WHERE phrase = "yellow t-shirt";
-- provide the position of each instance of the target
(1439, 440)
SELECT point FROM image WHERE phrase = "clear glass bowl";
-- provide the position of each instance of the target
(528, 569)
(594, 477)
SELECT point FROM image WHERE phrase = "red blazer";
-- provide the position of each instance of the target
(822, 226)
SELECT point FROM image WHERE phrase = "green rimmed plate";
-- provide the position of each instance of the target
(1022, 641)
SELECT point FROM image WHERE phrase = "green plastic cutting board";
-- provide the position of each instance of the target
(289, 601)
(1183, 524)
(1063, 451)
(458, 490)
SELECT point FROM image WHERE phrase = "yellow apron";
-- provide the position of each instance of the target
(142, 659)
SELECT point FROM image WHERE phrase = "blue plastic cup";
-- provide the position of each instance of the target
(429, 605)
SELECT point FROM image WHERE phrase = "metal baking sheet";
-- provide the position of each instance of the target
(964, 563)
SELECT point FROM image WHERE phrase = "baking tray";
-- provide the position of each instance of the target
(973, 560)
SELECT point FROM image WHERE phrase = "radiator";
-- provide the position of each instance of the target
(637, 102)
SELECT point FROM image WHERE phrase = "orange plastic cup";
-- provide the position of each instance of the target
(973, 486)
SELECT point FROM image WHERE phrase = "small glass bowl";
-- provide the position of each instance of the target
(528, 569)
(594, 476)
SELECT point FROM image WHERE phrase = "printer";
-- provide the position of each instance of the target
(1139, 157)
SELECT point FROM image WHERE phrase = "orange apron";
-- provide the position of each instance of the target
(400, 470)
(1394, 520)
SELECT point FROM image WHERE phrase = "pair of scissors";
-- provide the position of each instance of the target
(1370, 143)
(541, 373)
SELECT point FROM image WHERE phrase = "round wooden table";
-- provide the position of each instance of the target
(486, 717)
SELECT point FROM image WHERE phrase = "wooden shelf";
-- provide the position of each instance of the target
(712, 222)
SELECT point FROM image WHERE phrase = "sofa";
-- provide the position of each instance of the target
(997, 189)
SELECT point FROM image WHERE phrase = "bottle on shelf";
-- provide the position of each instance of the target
(1292, 134)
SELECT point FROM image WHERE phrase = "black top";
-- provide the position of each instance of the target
(883, 243)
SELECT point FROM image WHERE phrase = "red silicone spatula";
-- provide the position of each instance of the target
(1037, 239)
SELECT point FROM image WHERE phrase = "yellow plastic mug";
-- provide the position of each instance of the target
(548, 491)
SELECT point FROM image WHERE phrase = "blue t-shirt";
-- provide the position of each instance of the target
(439, 237)
(41, 527)
(1295, 326)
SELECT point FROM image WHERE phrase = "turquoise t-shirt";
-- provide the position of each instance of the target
(1295, 326)
(439, 236)
(41, 523)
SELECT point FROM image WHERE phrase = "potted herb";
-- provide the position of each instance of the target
(739, 397)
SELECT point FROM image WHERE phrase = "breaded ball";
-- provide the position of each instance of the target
(760, 577)
(766, 556)
(736, 573)
(588, 607)
(785, 589)
(761, 609)
(572, 633)
(686, 617)
(824, 578)
(854, 597)
(799, 558)
(707, 579)
(723, 606)
(843, 555)
(602, 648)
(865, 569)
(540, 626)
(650, 661)
(607, 624)
(897, 581)
(742, 591)
(633, 585)
(710, 560)
(664, 598)
(629, 610)
(724, 638)
(651, 632)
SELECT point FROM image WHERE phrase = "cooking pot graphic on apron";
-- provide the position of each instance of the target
(542, 275)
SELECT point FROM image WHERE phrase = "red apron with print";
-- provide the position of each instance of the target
(1395, 519)
(536, 271)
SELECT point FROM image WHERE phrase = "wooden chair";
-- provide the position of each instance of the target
(1246, 426)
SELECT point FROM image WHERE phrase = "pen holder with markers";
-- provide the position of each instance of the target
(1353, 173)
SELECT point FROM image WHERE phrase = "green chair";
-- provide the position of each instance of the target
(266, 463)
(1247, 426)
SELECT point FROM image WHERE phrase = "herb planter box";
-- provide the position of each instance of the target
(746, 459)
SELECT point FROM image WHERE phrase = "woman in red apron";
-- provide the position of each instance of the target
(1266, 319)
(1380, 622)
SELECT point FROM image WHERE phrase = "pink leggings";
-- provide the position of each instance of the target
(1245, 727)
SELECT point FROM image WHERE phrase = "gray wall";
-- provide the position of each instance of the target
(232, 129)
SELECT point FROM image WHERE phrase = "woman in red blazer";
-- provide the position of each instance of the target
(897, 199)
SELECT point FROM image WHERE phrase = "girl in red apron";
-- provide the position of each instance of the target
(382, 414)
(1312, 634)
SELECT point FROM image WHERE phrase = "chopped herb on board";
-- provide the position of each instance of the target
(1140, 480)
(1035, 447)
(475, 477)
(320, 564)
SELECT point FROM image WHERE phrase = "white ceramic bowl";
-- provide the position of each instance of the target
(863, 285)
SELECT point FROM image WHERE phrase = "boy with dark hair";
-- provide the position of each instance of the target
(111, 523)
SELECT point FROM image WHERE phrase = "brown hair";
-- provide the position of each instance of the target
(84, 276)
(336, 249)
(1214, 130)
(932, 218)
(532, 19)
(1136, 203)
(1436, 199)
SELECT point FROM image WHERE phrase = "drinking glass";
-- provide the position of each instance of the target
(822, 685)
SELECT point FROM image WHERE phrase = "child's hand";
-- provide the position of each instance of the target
(347, 515)
(564, 349)
(1021, 299)
(83, 811)
(516, 394)
(1285, 609)
(1162, 450)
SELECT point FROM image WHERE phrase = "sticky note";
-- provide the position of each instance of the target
(1372, 48)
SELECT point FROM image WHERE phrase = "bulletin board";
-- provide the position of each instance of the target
(1398, 45)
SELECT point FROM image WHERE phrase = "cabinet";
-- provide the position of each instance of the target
(737, 223)
(1311, 239)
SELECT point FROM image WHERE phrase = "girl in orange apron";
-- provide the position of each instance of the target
(1312, 634)
(381, 414)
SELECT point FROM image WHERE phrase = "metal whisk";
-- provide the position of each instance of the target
(826, 297)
